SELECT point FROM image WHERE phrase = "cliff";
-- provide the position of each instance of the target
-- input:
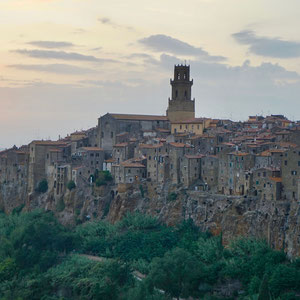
(275, 221)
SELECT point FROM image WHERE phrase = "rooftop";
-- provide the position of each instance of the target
(139, 117)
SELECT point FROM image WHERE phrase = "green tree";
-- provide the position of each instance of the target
(264, 292)
(178, 273)
(71, 185)
(42, 186)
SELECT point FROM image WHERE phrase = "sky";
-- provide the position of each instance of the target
(64, 63)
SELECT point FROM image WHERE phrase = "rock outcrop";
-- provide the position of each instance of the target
(276, 221)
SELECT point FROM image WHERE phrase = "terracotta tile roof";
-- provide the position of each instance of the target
(150, 146)
(180, 145)
(121, 145)
(110, 160)
(277, 150)
(287, 145)
(77, 168)
(122, 134)
(190, 121)
(92, 149)
(162, 130)
(139, 117)
(238, 153)
(276, 179)
(49, 143)
(194, 156)
(264, 153)
(132, 165)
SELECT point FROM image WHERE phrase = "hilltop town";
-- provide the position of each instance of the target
(258, 159)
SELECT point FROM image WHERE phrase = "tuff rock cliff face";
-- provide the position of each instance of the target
(278, 221)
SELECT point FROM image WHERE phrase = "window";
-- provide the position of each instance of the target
(264, 174)
(185, 94)
(129, 171)
(299, 163)
(111, 134)
(285, 162)
(258, 174)
(102, 134)
(149, 157)
(257, 182)
(180, 126)
(176, 94)
(178, 75)
(294, 172)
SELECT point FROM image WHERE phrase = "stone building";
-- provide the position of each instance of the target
(14, 167)
(191, 169)
(176, 154)
(111, 125)
(235, 173)
(209, 171)
(123, 151)
(290, 169)
(195, 126)
(130, 171)
(181, 105)
(267, 183)
(91, 158)
(157, 161)
(37, 160)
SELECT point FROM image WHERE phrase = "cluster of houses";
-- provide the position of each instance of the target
(259, 157)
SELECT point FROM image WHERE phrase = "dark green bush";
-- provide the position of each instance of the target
(42, 186)
(71, 185)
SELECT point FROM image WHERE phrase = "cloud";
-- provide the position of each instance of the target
(146, 58)
(51, 44)
(54, 68)
(269, 47)
(50, 54)
(221, 91)
(108, 21)
(164, 43)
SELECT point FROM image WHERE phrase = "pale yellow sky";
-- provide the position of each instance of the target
(115, 51)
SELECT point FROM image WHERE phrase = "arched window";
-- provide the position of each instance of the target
(184, 75)
(178, 75)
(185, 94)
(176, 94)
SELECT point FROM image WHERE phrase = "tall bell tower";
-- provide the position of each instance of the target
(181, 105)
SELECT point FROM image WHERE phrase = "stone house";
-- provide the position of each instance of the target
(110, 125)
(191, 169)
(267, 183)
(290, 169)
(176, 154)
(123, 151)
(91, 158)
(37, 160)
(130, 171)
(195, 126)
(209, 171)
(239, 166)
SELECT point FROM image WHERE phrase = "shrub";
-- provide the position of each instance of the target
(172, 196)
(100, 182)
(42, 187)
(71, 185)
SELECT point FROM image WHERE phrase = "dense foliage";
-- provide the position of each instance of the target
(41, 259)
